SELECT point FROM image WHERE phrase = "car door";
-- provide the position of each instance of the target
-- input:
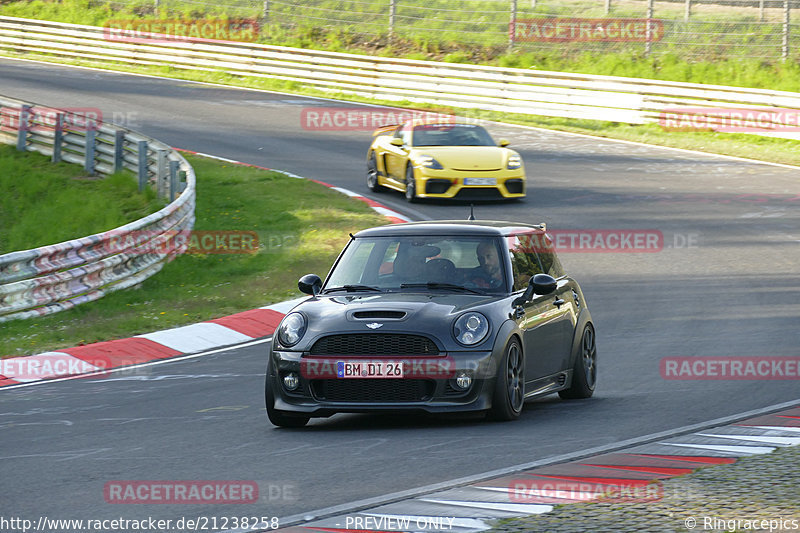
(546, 321)
(543, 325)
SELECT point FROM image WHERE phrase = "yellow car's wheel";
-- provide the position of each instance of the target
(411, 185)
(372, 174)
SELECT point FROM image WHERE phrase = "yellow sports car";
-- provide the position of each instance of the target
(442, 159)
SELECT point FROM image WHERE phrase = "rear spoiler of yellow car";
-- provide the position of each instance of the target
(384, 129)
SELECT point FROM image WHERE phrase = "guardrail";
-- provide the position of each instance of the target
(509, 90)
(53, 278)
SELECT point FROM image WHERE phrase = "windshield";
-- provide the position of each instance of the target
(442, 263)
(451, 135)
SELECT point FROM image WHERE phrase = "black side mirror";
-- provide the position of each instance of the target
(542, 284)
(310, 284)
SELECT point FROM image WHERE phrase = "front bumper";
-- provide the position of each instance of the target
(449, 184)
(320, 396)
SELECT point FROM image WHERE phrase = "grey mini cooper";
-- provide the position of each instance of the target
(437, 317)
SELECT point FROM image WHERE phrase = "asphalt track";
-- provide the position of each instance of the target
(733, 292)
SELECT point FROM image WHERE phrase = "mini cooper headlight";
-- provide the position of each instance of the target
(428, 161)
(470, 328)
(514, 162)
(291, 329)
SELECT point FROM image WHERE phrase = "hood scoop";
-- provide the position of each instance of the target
(378, 314)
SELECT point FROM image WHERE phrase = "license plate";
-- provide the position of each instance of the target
(480, 181)
(369, 369)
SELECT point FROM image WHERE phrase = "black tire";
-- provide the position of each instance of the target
(584, 370)
(281, 418)
(509, 388)
(411, 185)
(372, 174)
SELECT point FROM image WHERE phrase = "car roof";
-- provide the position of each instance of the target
(485, 228)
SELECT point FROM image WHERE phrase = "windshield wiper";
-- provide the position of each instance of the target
(435, 285)
(353, 288)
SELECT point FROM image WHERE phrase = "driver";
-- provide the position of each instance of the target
(490, 272)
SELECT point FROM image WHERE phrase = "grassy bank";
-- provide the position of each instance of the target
(42, 203)
(482, 40)
(301, 228)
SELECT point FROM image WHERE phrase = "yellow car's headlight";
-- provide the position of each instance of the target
(514, 162)
(428, 161)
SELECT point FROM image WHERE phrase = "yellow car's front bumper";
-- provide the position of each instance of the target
(432, 183)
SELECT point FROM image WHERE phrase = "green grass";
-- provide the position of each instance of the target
(301, 225)
(42, 203)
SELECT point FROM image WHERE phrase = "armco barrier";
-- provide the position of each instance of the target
(509, 90)
(52, 278)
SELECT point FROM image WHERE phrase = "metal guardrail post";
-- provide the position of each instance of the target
(162, 174)
(58, 138)
(392, 14)
(648, 44)
(512, 24)
(88, 162)
(265, 13)
(173, 179)
(688, 11)
(142, 148)
(119, 146)
(22, 128)
(761, 10)
(786, 29)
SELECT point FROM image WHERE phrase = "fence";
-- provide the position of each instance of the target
(691, 28)
(53, 278)
(507, 90)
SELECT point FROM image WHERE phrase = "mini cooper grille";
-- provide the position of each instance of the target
(374, 344)
(396, 315)
(373, 390)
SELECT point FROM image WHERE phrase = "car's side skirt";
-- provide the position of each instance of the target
(548, 385)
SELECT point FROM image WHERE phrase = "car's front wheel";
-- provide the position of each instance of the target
(372, 173)
(281, 418)
(584, 370)
(509, 388)
(411, 184)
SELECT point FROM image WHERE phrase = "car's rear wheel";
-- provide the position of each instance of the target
(372, 174)
(411, 185)
(584, 370)
(281, 418)
(509, 388)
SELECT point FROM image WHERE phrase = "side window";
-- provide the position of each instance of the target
(550, 263)
(525, 262)
(405, 134)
